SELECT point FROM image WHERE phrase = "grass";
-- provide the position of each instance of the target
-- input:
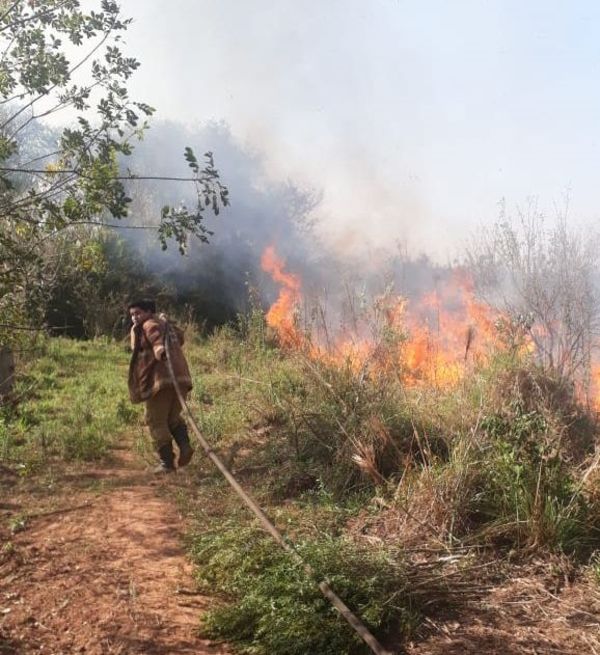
(75, 403)
(496, 459)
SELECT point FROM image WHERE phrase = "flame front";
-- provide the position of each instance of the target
(430, 341)
(434, 340)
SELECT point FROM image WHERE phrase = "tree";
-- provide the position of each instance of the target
(545, 279)
(59, 59)
(94, 276)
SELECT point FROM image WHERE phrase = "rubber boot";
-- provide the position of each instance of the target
(180, 434)
(167, 460)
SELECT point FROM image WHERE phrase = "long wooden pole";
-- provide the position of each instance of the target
(353, 620)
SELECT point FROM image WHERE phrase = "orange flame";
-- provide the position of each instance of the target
(433, 340)
(430, 341)
(281, 315)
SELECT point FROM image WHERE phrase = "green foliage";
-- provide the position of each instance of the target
(71, 405)
(529, 493)
(353, 427)
(77, 182)
(5, 437)
(55, 182)
(98, 275)
(274, 608)
(179, 222)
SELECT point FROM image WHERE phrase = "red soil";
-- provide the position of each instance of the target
(101, 569)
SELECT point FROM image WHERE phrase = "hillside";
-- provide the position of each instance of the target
(456, 520)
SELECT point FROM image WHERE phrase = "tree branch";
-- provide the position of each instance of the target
(27, 19)
(71, 71)
(73, 171)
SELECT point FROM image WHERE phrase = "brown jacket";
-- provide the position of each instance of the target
(148, 370)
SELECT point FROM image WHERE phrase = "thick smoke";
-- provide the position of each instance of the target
(214, 278)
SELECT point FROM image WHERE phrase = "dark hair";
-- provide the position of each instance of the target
(146, 305)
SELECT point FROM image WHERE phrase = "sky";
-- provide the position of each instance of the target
(413, 119)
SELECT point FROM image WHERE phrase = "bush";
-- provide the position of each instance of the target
(348, 430)
(512, 477)
(529, 496)
(273, 608)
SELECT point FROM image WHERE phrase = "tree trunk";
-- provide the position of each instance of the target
(7, 371)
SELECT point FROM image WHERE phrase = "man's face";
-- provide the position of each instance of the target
(138, 316)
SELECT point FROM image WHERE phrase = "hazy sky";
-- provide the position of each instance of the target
(413, 118)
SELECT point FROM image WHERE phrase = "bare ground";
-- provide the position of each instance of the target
(519, 617)
(92, 562)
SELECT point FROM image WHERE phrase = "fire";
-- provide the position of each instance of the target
(281, 315)
(433, 340)
(449, 330)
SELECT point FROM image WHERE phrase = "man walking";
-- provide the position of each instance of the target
(151, 383)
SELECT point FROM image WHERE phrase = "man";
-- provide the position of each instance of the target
(151, 383)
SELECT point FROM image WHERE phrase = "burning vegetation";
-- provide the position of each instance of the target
(437, 419)
(435, 338)
(432, 340)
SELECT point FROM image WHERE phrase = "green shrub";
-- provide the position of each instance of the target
(513, 473)
(348, 430)
(271, 607)
(529, 494)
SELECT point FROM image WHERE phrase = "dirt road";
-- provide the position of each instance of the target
(93, 562)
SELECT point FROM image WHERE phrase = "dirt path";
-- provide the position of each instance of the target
(100, 569)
